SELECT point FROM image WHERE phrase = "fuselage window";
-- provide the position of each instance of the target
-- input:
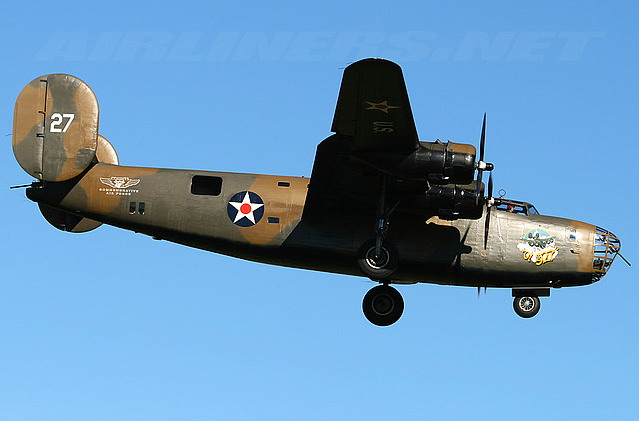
(141, 208)
(512, 208)
(572, 235)
(283, 184)
(206, 185)
(132, 207)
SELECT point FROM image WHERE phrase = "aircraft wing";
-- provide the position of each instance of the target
(373, 116)
(342, 184)
(373, 108)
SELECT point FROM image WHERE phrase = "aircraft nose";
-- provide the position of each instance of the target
(606, 248)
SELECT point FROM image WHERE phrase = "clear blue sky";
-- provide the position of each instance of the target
(111, 325)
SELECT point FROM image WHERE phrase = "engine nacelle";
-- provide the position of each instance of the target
(451, 201)
(437, 162)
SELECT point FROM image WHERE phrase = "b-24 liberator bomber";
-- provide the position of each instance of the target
(380, 203)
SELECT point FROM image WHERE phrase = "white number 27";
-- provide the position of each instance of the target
(56, 122)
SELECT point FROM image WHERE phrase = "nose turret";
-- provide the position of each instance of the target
(606, 248)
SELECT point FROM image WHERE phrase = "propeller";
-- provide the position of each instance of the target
(481, 164)
(489, 205)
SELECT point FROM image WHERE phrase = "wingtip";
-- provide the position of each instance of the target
(374, 61)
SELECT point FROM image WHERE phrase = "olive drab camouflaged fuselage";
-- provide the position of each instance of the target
(523, 251)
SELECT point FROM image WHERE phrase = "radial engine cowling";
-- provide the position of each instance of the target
(451, 201)
(437, 162)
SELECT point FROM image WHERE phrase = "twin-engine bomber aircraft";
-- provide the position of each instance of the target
(379, 203)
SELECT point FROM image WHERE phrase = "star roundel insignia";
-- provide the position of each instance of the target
(245, 209)
(382, 106)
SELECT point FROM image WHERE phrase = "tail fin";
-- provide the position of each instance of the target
(105, 152)
(67, 221)
(70, 222)
(55, 127)
(55, 138)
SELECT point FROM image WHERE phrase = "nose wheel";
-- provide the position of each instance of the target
(527, 307)
(383, 305)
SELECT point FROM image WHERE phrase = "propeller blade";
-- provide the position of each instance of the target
(482, 139)
(486, 228)
(490, 186)
(480, 170)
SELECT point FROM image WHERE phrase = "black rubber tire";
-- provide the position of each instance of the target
(377, 271)
(526, 307)
(383, 305)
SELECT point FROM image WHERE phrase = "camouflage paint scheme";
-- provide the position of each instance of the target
(45, 143)
(318, 223)
(431, 249)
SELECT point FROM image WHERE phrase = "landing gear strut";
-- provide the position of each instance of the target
(526, 303)
(383, 305)
(377, 258)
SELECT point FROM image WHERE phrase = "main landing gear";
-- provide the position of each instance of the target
(383, 305)
(377, 258)
(378, 263)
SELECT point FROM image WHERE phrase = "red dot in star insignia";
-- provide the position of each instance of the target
(245, 208)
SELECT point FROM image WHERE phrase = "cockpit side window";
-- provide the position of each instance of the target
(512, 208)
(532, 210)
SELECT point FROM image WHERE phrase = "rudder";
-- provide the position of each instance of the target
(55, 127)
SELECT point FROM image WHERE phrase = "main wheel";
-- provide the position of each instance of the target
(378, 268)
(526, 307)
(383, 305)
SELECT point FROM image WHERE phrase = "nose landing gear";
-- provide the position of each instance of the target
(527, 307)
(526, 302)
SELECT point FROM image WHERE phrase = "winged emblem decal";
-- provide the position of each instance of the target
(120, 182)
